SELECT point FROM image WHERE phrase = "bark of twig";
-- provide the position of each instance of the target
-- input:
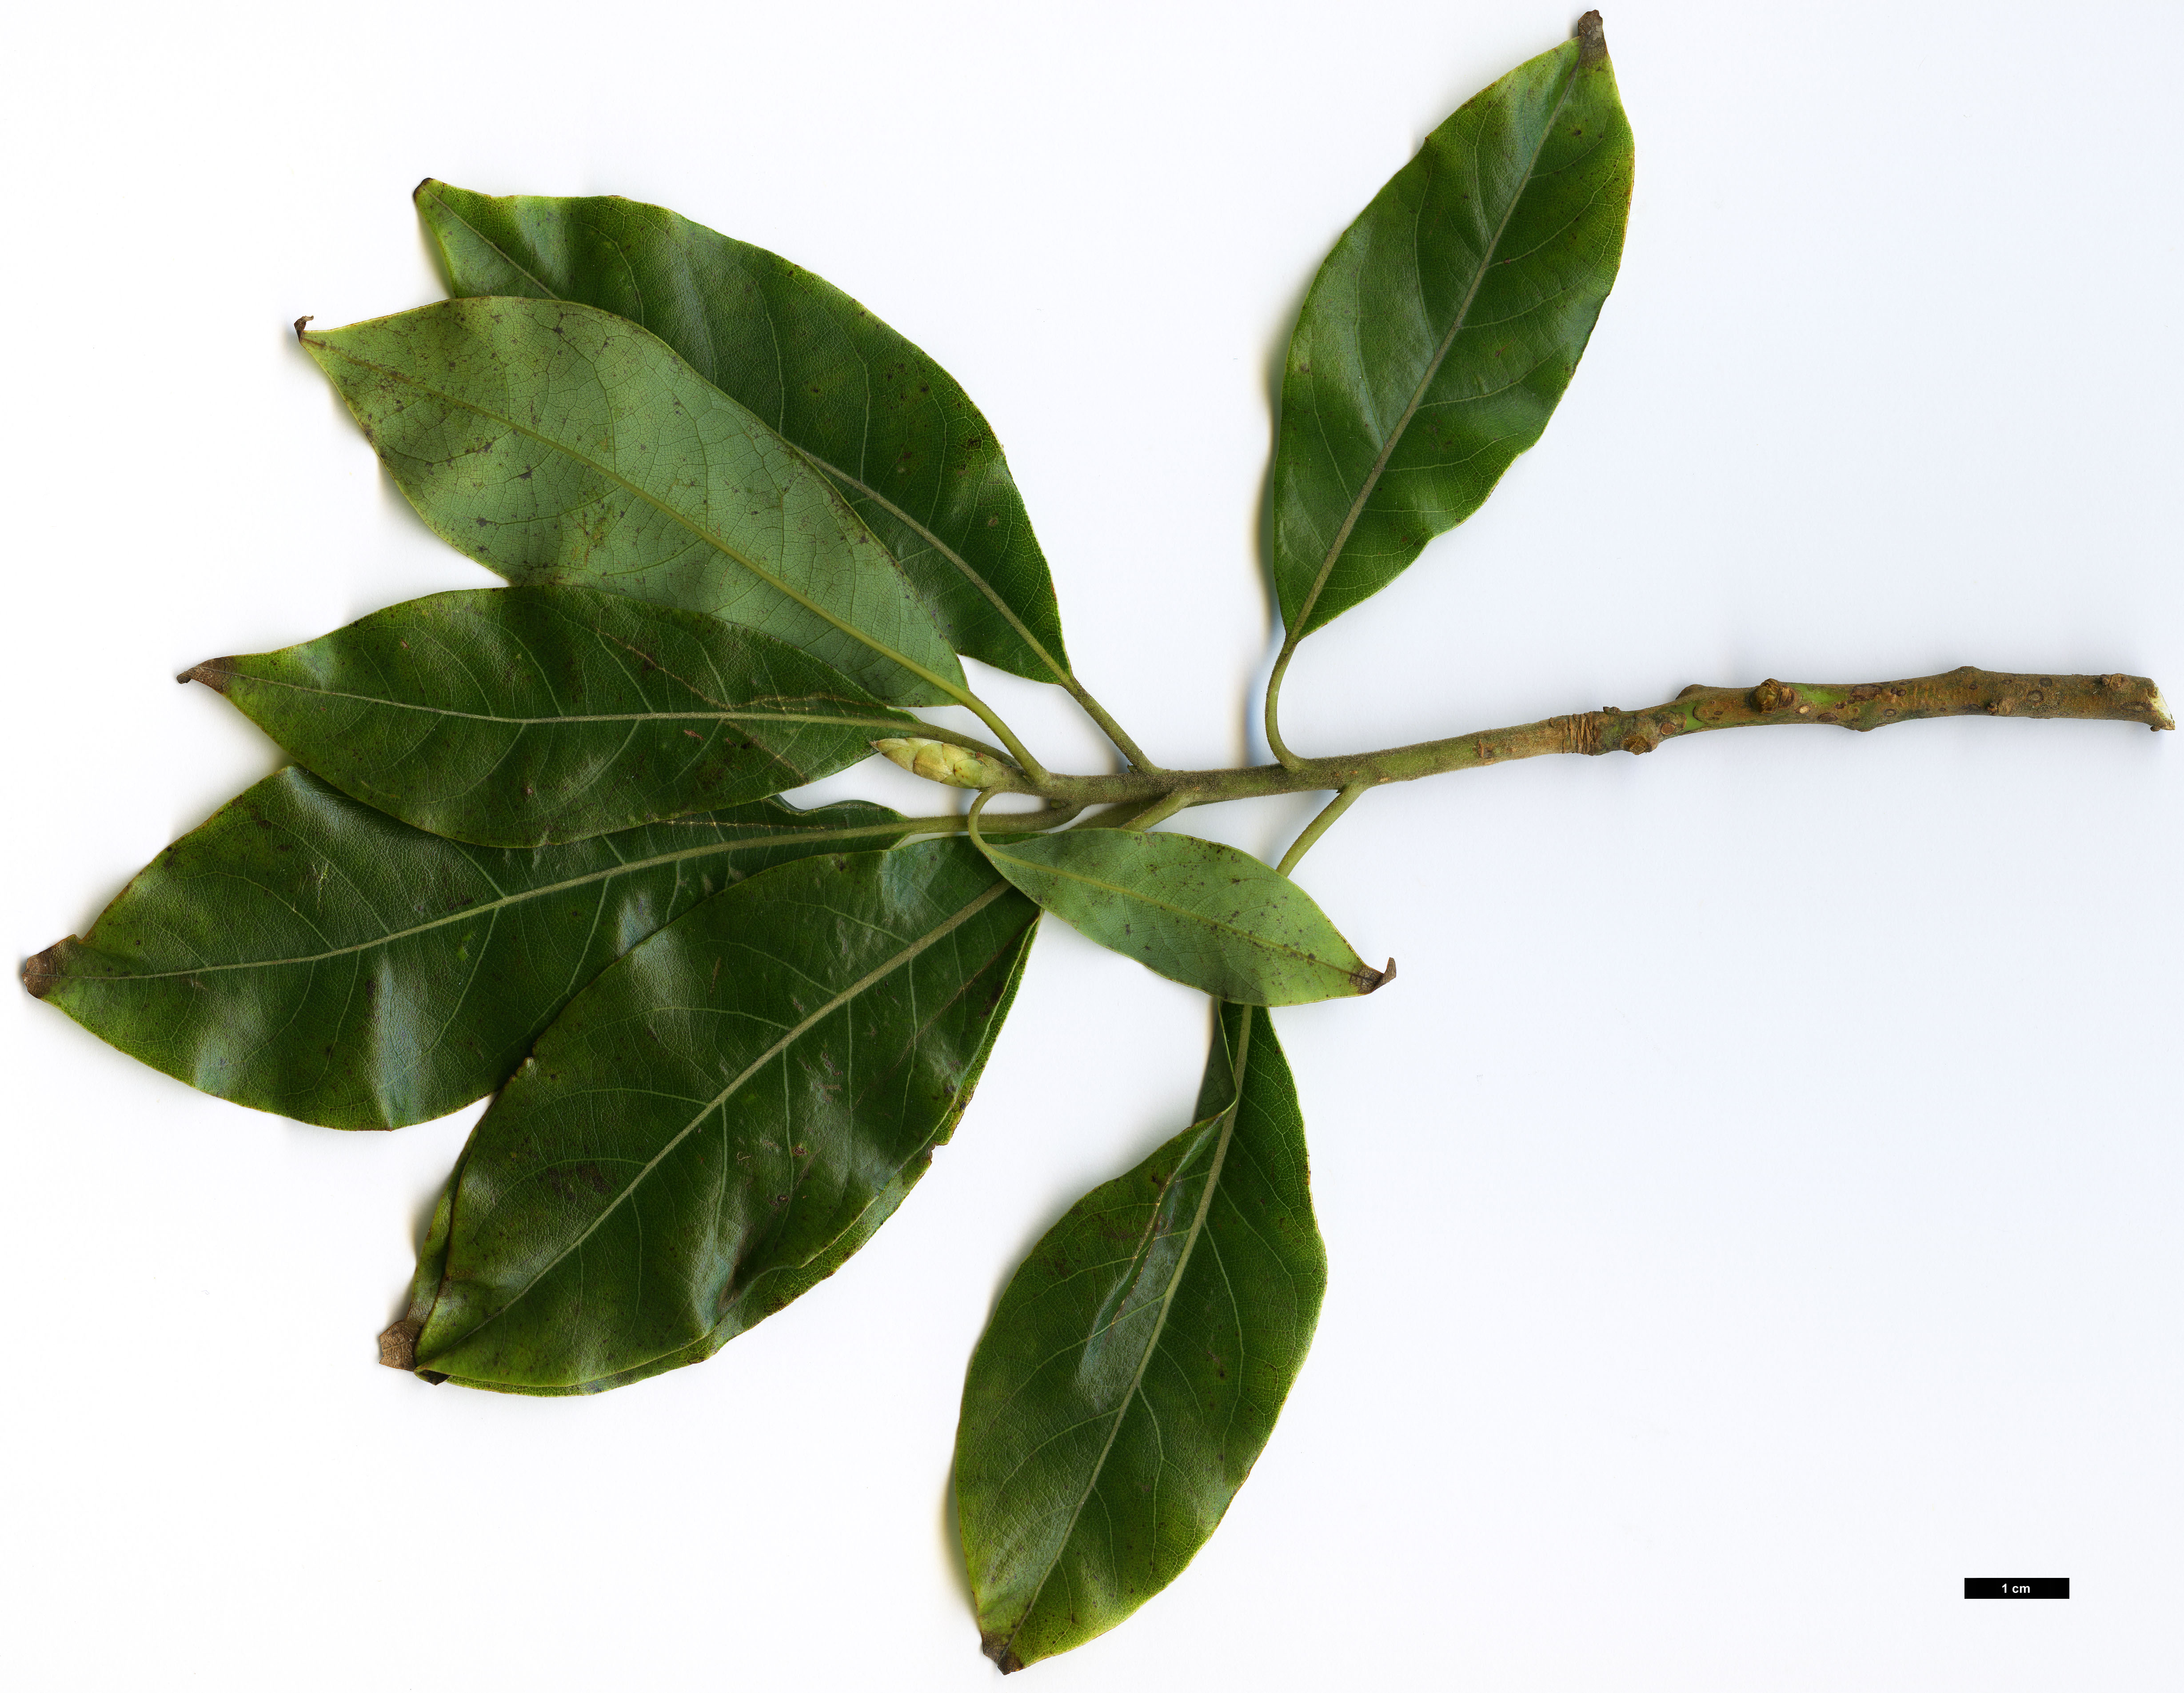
(1965, 692)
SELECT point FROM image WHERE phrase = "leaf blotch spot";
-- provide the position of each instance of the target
(397, 1345)
(43, 973)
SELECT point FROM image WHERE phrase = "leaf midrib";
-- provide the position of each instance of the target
(724, 1331)
(795, 1033)
(946, 1126)
(1199, 917)
(1433, 369)
(825, 466)
(485, 240)
(722, 713)
(716, 542)
(1160, 1326)
(468, 912)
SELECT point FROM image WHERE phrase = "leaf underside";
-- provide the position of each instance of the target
(1135, 1365)
(1196, 911)
(303, 953)
(559, 445)
(719, 1121)
(1441, 333)
(521, 716)
(886, 425)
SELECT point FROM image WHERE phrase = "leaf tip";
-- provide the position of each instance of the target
(1591, 40)
(999, 1648)
(397, 1343)
(418, 193)
(1371, 981)
(213, 673)
(300, 322)
(43, 973)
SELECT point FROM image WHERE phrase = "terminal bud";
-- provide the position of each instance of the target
(941, 762)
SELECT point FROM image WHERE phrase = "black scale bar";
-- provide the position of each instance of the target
(2017, 1587)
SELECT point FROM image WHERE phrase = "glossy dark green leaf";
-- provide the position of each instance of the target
(562, 445)
(1443, 328)
(1199, 912)
(720, 1120)
(306, 955)
(1135, 1366)
(521, 716)
(890, 428)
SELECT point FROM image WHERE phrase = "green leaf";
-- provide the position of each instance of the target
(890, 428)
(559, 444)
(1135, 1366)
(520, 717)
(1444, 326)
(1198, 912)
(306, 955)
(720, 1120)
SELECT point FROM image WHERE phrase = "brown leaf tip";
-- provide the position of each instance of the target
(300, 322)
(1591, 40)
(213, 673)
(43, 973)
(997, 1648)
(397, 1346)
(1371, 981)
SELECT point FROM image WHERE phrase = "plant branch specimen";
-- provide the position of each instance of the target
(532, 846)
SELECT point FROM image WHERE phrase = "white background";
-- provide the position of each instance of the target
(1752, 1212)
